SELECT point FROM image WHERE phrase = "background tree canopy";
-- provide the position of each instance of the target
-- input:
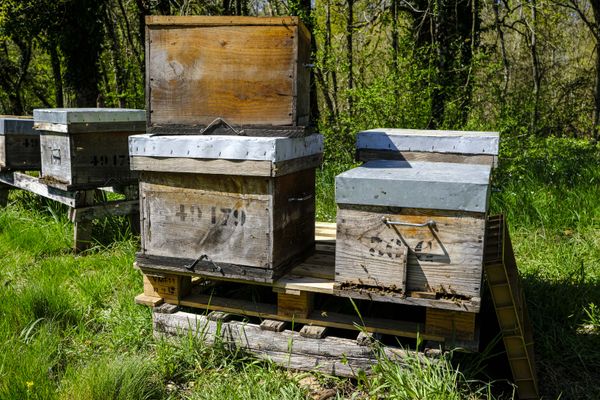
(521, 67)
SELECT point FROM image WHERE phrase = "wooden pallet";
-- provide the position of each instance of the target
(503, 281)
(299, 347)
(84, 205)
(307, 295)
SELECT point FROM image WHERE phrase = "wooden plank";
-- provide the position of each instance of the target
(316, 317)
(168, 287)
(287, 348)
(205, 166)
(82, 227)
(242, 72)
(451, 324)
(313, 331)
(506, 291)
(35, 185)
(92, 127)
(150, 301)
(199, 20)
(273, 325)
(107, 209)
(207, 269)
(366, 155)
(298, 305)
(447, 260)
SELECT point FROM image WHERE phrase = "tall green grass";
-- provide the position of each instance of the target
(69, 327)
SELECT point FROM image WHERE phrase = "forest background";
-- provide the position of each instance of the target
(526, 68)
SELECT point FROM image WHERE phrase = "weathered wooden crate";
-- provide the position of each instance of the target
(423, 145)
(412, 228)
(228, 207)
(19, 145)
(250, 72)
(87, 147)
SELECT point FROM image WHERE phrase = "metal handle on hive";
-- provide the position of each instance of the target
(304, 197)
(431, 223)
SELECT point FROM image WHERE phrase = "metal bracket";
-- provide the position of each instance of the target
(431, 223)
(304, 197)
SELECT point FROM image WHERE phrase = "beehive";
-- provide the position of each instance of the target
(427, 145)
(232, 74)
(223, 206)
(412, 226)
(87, 147)
(19, 144)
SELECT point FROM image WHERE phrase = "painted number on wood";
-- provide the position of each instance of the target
(108, 161)
(218, 215)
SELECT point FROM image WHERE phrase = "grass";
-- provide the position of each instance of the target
(69, 327)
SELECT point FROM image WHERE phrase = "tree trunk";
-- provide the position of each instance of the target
(596, 10)
(349, 53)
(116, 54)
(535, 67)
(57, 75)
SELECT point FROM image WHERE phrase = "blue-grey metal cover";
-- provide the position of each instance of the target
(458, 142)
(418, 184)
(66, 116)
(17, 126)
(274, 149)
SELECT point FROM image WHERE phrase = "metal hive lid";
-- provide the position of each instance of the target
(20, 126)
(459, 142)
(419, 184)
(68, 116)
(273, 149)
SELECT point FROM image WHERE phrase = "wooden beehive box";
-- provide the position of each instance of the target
(19, 144)
(412, 226)
(223, 206)
(87, 147)
(250, 72)
(424, 145)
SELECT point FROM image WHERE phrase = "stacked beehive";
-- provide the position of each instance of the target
(227, 170)
(416, 227)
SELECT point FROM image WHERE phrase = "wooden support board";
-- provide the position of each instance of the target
(286, 347)
(84, 206)
(502, 276)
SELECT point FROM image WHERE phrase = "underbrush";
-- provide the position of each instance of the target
(69, 327)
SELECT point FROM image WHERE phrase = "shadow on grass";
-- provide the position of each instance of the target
(567, 342)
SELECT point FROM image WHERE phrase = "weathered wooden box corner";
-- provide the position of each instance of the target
(84, 148)
(250, 72)
(19, 144)
(412, 227)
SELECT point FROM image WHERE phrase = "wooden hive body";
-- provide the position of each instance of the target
(87, 148)
(19, 145)
(251, 72)
(380, 243)
(247, 216)
(425, 145)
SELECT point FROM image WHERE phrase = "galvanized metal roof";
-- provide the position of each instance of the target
(88, 115)
(428, 185)
(20, 126)
(273, 149)
(460, 142)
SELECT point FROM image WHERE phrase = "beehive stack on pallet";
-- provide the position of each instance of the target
(228, 221)
(76, 153)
